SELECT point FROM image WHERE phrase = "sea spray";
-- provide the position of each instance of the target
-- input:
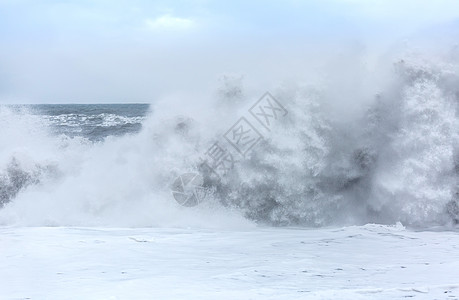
(393, 157)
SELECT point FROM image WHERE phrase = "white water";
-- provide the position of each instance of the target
(356, 147)
(357, 262)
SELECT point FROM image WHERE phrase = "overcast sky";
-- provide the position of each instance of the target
(137, 51)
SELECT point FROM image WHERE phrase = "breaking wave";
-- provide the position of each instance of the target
(392, 156)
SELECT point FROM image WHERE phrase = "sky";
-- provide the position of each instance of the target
(103, 51)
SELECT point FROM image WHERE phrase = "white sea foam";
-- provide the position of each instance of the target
(390, 156)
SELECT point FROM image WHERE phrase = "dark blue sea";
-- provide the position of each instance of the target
(92, 121)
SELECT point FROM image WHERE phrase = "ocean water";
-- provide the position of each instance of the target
(382, 151)
(92, 121)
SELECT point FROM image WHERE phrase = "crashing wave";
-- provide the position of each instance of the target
(397, 159)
